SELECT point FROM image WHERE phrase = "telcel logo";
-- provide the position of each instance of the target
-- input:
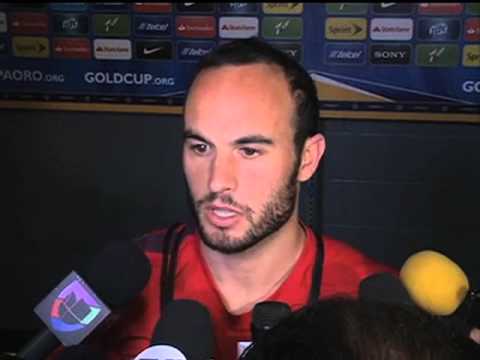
(153, 25)
(192, 51)
(346, 54)
(471, 86)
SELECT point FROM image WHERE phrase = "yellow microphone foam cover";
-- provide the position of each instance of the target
(435, 283)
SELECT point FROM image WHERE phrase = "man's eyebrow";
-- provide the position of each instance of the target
(250, 139)
(190, 134)
(253, 139)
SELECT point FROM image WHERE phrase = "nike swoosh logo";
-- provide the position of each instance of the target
(386, 5)
(151, 51)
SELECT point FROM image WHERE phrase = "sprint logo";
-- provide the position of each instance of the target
(31, 47)
(338, 28)
(471, 56)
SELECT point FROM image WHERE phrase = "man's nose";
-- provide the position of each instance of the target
(222, 174)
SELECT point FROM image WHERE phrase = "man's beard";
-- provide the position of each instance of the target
(274, 214)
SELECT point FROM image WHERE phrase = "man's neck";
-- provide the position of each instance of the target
(252, 276)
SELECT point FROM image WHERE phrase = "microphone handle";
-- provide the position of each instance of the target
(43, 343)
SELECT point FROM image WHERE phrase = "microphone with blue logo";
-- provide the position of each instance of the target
(73, 309)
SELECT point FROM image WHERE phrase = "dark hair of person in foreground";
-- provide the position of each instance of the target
(348, 329)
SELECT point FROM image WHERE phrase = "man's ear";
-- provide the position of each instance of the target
(312, 153)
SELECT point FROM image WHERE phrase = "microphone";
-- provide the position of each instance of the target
(73, 309)
(384, 287)
(435, 283)
(80, 352)
(267, 314)
(185, 331)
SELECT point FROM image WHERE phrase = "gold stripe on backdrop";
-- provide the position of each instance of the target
(178, 110)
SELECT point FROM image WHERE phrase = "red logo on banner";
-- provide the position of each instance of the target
(29, 23)
(72, 48)
(472, 29)
(196, 26)
(440, 8)
(152, 7)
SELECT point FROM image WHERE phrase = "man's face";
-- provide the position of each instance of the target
(239, 156)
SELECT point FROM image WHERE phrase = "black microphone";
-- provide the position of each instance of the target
(80, 352)
(384, 287)
(267, 314)
(185, 331)
(77, 305)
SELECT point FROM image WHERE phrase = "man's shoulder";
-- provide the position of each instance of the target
(340, 247)
(159, 240)
(345, 267)
(338, 251)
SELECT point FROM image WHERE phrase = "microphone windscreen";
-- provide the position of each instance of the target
(435, 283)
(118, 273)
(384, 287)
(187, 326)
(267, 314)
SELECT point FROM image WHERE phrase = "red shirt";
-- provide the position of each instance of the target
(344, 268)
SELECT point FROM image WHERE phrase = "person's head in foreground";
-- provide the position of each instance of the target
(347, 329)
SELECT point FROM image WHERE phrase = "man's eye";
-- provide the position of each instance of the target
(200, 149)
(249, 152)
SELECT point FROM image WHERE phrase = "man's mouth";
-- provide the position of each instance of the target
(222, 216)
(223, 213)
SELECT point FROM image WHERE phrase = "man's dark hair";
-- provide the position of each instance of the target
(348, 329)
(253, 51)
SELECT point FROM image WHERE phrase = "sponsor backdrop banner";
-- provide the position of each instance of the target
(379, 58)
